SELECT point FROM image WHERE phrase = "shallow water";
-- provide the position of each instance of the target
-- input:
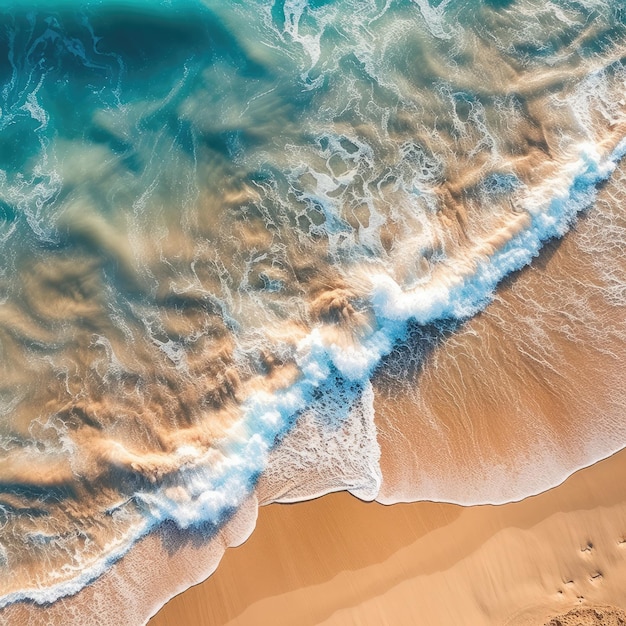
(282, 242)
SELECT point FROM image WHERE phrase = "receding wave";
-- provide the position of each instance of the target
(275, 249)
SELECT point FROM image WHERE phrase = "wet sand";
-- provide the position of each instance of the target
(337, 560)
(497, 417)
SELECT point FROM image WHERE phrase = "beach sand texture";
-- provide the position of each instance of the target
(338, 561)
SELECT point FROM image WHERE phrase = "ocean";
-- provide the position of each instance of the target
(258, 251)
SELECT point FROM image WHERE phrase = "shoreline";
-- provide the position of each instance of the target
(337, 560)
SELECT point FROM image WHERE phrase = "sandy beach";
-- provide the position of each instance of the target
(337, 560)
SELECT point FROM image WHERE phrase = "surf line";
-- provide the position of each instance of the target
(212, 491)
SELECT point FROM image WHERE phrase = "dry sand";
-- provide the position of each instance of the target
(337, 560)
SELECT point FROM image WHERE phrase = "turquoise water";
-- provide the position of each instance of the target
(218, 219)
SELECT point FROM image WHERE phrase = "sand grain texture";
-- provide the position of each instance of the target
(596, 616)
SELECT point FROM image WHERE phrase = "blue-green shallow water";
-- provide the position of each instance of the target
(218, 219)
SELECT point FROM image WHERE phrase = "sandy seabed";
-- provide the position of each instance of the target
(558, 556)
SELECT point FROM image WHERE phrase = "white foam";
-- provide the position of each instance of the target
(435, 18)
(267, 417)
(331, 447)
(210, 489)
(293, 11)
(463, 290)
(83, 574)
